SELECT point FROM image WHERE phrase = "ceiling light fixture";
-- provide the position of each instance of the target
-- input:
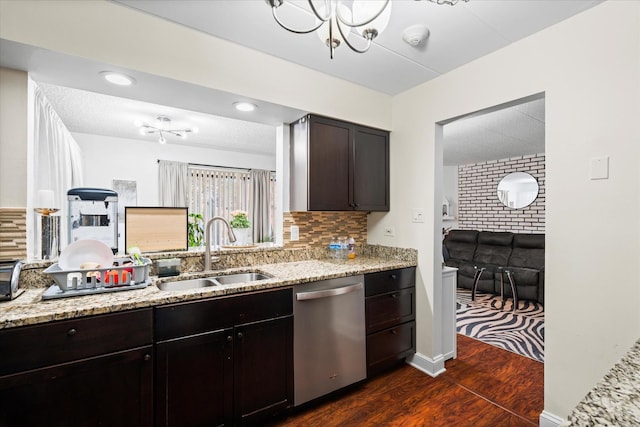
(368, 17)
(244, 106)
(449, 2)
(163, 128)
(117, 78)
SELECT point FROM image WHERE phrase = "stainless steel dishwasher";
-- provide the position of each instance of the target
(329, 345)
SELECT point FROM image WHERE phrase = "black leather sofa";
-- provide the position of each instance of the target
(521, 254)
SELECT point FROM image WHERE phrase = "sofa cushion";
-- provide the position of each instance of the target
(494, 248)
(524, 276)
(528, 241)
(461, 244)
(528, 251)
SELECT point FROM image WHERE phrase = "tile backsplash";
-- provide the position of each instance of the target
(318, 228)
(13, 235)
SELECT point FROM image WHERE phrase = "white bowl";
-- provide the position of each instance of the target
(83, 251)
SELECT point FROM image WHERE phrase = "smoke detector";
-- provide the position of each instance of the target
(415, 34)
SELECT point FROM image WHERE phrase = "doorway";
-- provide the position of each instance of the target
(478, 150)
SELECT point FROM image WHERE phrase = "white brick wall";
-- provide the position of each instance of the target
(478, 204)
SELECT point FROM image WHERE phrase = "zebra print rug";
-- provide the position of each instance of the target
(521, 332)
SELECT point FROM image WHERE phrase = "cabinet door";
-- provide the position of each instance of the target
(370, 169)
(263, 371)
(329, 165)
(390, 346)
(111, 390)
(194, 380)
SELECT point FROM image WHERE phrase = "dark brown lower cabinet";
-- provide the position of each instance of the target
(390, 346)
(263, 369)
(87, 371)
(240, 372)
(390, 315)
(111, 390)
(194, 380)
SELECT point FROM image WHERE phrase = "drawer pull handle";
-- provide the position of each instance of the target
(394, 332)
(394, 296)
(240, 336)
(394, 277)
(71, 332)
(229, 338)
(147, 357)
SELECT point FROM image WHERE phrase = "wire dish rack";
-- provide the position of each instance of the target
(122, 276)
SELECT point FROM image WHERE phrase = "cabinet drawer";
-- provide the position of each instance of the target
(387, 347)
(35, 346)
(389, 281)
(387, 310)
(190, 318)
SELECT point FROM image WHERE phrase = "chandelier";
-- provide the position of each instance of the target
(367, 17)
(162, 128)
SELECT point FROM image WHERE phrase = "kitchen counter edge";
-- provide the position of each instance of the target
(30, 309)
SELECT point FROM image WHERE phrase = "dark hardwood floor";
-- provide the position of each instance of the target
(484, 386)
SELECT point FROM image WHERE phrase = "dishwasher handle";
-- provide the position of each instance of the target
(325, 293)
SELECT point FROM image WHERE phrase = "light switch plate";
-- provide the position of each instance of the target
(417, 215)
(294, 231)
(600, 168)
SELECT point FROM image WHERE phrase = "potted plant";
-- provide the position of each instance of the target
(195, 229)
(241, 227)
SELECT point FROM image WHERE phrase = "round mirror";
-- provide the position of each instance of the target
(518, 190)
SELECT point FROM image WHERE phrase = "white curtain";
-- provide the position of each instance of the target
(218, 192)
(172, 183)
(261, 199)
(57, 161)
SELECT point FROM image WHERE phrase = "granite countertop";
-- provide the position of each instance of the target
(30, 309)
(615, 400)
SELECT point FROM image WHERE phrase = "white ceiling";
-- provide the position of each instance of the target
(506, 131)
(94, 113)
(459, 34)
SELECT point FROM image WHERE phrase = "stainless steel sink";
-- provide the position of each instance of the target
(183, 285)
(229, 279)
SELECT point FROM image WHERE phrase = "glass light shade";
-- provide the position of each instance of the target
(117, 78)
(323, 31)
(364, 10)
(244, 106)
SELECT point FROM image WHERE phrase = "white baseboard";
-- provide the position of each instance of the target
(547, 419)
(429, 366)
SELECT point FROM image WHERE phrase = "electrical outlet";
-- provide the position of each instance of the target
(294, 231)
(389, 231)
(417, 215)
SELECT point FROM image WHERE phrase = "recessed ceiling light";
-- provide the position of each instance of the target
(244, 106)
(117, 78)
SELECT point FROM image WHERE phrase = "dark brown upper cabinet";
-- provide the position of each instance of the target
(338, 166)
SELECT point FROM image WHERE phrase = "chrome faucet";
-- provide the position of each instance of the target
(207, 239)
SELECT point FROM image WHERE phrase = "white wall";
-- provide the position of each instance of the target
(13, 138)
(107, 158)
(450, 191)
(591, 80)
